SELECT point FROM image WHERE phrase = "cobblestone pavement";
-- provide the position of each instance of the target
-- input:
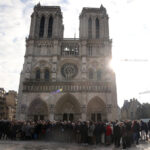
(39, 145)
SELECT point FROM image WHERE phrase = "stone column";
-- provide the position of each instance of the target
(106, 27)
(56, 26)
(83, 112)
(37, 25)
(80, 28)
(109, 112)
(46, 26)
(32, 26)
(83, 51)
(54, 72)
(51, 116)
(54, 60)
(83, 54)
(114, 97)
(84, 69)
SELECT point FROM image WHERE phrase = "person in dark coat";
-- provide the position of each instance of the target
(136, 130)
(0, 129)
(2, 126)
(78, 132)
(129, 139)
(124, 136)
(84, 133)
(117, 134)
(97, 132)
(144, 131)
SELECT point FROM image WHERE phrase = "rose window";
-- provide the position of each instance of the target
(69, 71)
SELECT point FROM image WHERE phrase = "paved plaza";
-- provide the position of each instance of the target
(39, 145)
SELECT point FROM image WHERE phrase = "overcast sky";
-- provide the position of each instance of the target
(129, 24)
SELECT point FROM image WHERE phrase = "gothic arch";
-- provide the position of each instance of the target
(42, 65)
(42, 24)
(50, 27)
(67, 104)
(38, 108)
(96, 106)
(46, 74)
(97, 27)
(38, 73)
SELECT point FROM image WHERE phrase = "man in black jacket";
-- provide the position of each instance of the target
(97, 132)
(117, 134)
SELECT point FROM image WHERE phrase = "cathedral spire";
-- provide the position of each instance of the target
(102, 9)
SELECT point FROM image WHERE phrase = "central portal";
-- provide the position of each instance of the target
(68, 117)
(67, 108)
(38, 117)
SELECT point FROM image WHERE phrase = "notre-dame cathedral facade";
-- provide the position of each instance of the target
(67, 78)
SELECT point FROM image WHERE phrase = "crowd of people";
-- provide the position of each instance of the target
(120, 133)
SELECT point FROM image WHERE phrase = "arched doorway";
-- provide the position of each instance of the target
(38, 110)
(67, 108)
(96, 110)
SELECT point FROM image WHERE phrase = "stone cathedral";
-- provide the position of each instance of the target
(67, 78)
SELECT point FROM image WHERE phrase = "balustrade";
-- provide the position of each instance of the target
(35, 86)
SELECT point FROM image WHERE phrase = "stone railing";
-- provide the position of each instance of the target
(41, 86)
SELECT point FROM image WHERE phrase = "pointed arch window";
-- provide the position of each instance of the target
(42, 23)
(91, 74)
(98, 75)
(97, 28)
(38, 74)
(46, 74)
(90, 28)
(50, 27)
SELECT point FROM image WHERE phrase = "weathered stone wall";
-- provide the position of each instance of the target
(73, 65)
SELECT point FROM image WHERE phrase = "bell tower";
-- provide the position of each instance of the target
(46, 22)
(94, 23)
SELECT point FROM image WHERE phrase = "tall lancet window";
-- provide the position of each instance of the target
(37, 75)
(42, 23)
(50, 27)
(46, 74)
(90, 28)
(97, 28)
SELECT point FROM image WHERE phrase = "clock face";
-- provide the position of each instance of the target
(69, 70)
